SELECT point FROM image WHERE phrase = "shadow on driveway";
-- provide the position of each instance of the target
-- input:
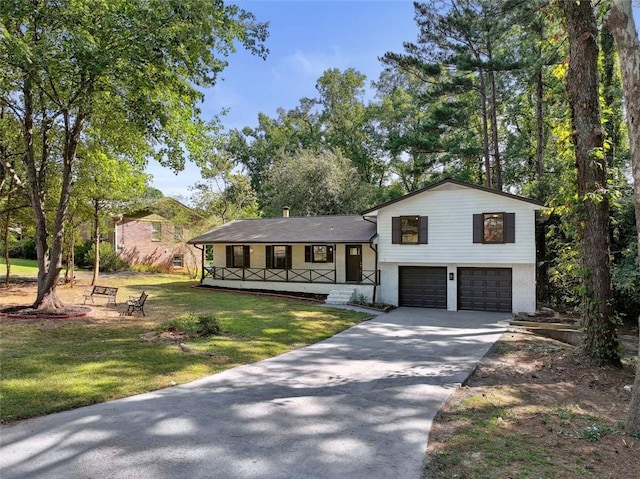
(358, 405)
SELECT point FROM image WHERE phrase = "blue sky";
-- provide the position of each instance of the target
(306, 38)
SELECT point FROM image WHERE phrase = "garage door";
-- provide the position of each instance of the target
(484, 289)
(423, 287)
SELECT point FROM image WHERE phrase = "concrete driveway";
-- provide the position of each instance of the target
(358, 405)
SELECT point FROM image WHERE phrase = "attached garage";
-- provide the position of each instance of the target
(423, 287)
(485, 289)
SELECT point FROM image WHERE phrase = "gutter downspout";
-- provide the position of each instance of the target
(375, 283)
(375, 251)
(201, 261)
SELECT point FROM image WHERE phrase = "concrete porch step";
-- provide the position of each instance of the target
(340, 296)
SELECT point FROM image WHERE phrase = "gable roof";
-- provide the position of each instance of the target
(307, 229)
(454, 182)
(166, 208)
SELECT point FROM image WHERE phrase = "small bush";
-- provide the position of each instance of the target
(195, 325)
(109, 260)
(24, 249)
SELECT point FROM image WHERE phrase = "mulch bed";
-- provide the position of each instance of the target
(27, 312)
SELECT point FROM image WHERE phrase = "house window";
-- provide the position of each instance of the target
(493, 228)
(318, 253)
(278, 257)
(239, 257)
(156, 230)
(177, 233)
(178, 261)
(409, 230)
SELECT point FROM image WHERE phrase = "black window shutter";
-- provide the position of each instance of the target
(329, 254)
(509, 227)
(288, 258)
(423, 230)
(229, 250)
(268, 255)
(247, 256)
(308, 254)
(478, 227)
(396, 230)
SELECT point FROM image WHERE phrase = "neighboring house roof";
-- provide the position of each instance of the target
(309, 229)
(169, 207)
(454, 182)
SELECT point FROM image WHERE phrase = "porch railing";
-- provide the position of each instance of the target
(327, 276)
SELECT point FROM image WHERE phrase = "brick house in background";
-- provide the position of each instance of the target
(156, 236)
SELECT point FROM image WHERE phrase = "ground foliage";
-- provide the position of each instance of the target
(537, 408)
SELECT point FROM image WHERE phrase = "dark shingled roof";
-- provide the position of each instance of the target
(309, 229)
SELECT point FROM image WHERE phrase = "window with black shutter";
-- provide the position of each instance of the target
(409, 230)
(494, 228)
(278, 257)
(318, 253)
(238, 256)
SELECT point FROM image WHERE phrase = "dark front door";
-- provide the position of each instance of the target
(354, 263)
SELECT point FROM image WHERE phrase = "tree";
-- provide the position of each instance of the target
(119, 67)
(311, 184)
(600, 341)
(104, 184)
(620, 22)
(225, 197)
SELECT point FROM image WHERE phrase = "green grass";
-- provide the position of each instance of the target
(54, 365)
(19, 267)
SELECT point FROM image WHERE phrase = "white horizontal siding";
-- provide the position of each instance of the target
(450, 210)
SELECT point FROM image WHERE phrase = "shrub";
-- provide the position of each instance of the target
(109, 260)
(24, 249)
(195, 325)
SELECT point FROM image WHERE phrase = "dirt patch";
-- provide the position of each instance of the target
(536, 408)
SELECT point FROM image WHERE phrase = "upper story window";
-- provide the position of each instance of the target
(318, 253)
(156, 230)
(494, 228)
(409, 230)
(178, 234)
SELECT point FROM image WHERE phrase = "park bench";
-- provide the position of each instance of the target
(107, 291)
(136, 304)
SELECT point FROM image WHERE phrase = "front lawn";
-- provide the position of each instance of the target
(19, 267)
(54, 365)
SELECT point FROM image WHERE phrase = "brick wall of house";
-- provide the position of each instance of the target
(138, 244)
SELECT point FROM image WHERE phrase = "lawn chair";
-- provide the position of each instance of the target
(136, 304)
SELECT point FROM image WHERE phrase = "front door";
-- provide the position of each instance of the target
(354, 263)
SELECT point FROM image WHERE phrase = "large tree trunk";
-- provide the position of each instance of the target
(485, 129)
(497, 163)
(600, 337)
(96, 236)
(49, 256)
(620, 22)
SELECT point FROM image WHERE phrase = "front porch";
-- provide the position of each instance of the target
(313, 281)
(307, 275)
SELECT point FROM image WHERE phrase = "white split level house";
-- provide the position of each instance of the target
(450, 245)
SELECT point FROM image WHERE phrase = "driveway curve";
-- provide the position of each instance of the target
(357, 405)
